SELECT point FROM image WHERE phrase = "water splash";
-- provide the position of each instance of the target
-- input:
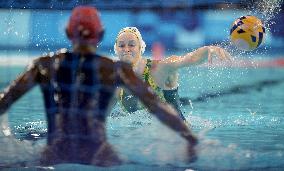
(266, 10)
(15, 153)
(155, 144)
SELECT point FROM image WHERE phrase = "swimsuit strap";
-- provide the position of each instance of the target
(169, 96)
(147, 77)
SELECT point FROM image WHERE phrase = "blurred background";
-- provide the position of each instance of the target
(32, 27)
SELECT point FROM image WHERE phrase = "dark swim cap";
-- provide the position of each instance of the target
(84, 26)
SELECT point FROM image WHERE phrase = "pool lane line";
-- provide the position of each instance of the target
(238, 89)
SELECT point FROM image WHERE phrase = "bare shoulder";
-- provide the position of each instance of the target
(49, 59)
(48, 64)
(157, 64)
(168, 64)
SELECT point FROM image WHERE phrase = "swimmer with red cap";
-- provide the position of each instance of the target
(78, 88)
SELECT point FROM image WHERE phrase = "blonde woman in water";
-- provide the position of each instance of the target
(161, 75)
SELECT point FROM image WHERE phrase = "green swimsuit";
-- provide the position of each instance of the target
(132, 104)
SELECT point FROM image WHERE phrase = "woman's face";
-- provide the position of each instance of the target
(128, 47)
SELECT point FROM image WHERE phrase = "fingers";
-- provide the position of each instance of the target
(220, 52)
(228, 55)
(210, 51)
(225, 54)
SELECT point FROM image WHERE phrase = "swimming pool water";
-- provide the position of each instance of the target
(237, 114)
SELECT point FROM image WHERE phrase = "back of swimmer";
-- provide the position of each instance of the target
(78, 87)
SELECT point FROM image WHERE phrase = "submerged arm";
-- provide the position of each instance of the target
(162, 111)
(17, 88)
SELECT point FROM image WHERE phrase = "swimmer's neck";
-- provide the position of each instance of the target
(84, 49)
(139, 66)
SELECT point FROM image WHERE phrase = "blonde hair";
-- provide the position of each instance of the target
(134, 31)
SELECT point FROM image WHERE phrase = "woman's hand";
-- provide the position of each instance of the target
(219, 52)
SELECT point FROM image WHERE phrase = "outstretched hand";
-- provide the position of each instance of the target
(219, 52)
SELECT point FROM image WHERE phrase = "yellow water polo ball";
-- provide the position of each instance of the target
(247, 33)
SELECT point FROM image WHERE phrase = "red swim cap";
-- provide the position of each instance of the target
(84, 26)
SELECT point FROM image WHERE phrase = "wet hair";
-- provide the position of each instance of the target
(134, 31)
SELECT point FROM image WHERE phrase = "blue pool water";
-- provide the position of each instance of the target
(237, 113)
